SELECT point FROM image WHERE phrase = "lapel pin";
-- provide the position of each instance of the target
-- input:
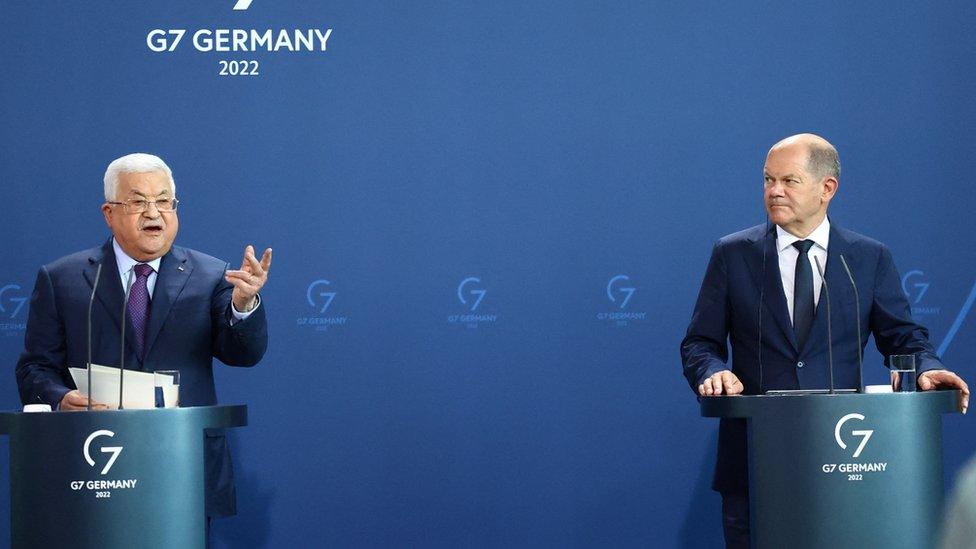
(180, 268)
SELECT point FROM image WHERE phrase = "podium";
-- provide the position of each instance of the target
(111, 479)
(843, 470)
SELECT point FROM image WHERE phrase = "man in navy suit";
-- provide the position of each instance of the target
(762, 292)
(185, 309)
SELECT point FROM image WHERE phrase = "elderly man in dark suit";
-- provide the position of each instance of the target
(185, 309)
(761, 292)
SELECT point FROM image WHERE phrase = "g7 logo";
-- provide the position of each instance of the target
(17, 301)
(114, 450)
(921, 287)
(310, 295)
(859, 433)
(628, 291)
(479, 293)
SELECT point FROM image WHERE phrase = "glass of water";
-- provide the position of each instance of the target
(902, 373)
(167, 388)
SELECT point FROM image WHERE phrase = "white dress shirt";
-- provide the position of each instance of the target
(788, 256)
(126, 264)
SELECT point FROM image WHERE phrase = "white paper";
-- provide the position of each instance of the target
(139, 389)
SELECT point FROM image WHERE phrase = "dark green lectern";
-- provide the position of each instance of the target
(843, 470)
(111, 479)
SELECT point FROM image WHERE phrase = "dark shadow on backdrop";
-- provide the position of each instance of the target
(251, 527)
(702, 526)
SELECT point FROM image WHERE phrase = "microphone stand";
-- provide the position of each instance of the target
(125, 303)
(91, 302)
(830, 339)
(857, 322)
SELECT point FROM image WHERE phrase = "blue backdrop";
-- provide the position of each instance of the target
(490, 222)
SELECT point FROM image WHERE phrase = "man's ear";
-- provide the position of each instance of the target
(107, 214)
(830, 189)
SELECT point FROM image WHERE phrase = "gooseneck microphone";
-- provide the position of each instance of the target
(762, 294)
(830, 339)
(125, 303)
(91, 302)
(857, 322)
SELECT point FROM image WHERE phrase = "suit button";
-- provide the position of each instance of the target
(799, 364)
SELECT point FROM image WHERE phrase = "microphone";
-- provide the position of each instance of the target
(125, 303)
(830, 339)
(857, 322)
(91, 302)
(762, 294)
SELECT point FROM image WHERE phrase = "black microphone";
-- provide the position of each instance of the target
(762, 294)
(857, 322)
(830, 339)
(125, 303)
(91, 302)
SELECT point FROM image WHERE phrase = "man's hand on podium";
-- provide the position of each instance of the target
(723, 382)
(944, 379)
(75, 401)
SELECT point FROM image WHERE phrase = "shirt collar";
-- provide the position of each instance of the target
(820, 236)
(126, 263)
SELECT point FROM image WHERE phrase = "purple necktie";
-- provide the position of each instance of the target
(138, 307)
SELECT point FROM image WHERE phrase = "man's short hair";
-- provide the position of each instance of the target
(134, 163)
(823, 160)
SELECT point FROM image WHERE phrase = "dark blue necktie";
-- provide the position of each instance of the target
(803, 306)
(138, 307)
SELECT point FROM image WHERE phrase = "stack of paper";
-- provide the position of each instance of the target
(139, 389)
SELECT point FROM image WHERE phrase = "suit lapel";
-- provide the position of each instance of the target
(174, 271)
(773, 296)
(109, 292)
(836, 281)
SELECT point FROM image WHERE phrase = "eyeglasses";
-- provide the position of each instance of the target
(141, 205)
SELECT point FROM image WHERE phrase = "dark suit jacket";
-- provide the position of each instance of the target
(188, 327)
(728, 310)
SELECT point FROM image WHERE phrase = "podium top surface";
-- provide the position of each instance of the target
(747, 406)
(203, 417)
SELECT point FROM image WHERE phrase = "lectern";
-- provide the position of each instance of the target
(111, 479)
(843, 470)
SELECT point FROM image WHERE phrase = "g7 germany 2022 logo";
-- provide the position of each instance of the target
(864, 433)
(114, 450)
(477, 293)
(313, 295)
(626, 292)
(14, 302)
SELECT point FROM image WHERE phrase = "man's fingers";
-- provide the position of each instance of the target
(244, 276)
(243, 286)
(732, 384)
(937, 379)
(239, 275)
(925, 383)
(252, 260)
(724, 382)
(708, 387)
(266, 260)
(717, 383)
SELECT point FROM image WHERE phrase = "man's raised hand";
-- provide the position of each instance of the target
(249, 279)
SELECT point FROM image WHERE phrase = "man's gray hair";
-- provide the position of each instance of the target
(134, 163)
(824, 160)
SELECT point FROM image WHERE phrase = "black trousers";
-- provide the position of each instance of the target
(735, 520)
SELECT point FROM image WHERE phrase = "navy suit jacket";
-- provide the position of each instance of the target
(743, 273)
(189, 325)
